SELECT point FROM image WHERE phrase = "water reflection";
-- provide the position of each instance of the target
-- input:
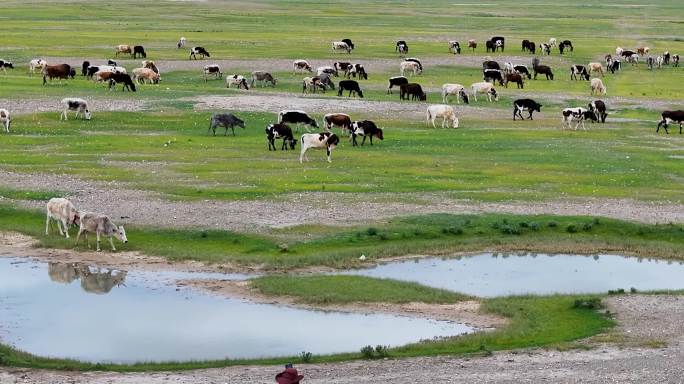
(93, 280)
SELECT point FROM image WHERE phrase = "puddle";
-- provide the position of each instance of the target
(101, 315)
(491, 275)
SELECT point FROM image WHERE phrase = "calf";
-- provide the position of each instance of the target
(454, 47)
(576, 114)
(337, 119)
(5, 119)
(598, 107)
(515, 78)
(597, 87)
(472, 44)
(396, 81)
(263, 78)
(36, 64)
(484, 87)
(669, 117)
(446, 112)
(142, 75)
(412, 89)
(410, 66)
(310, 84)
(194, 51)
(64, 212)
(365, 128)
(643, 51)
(544, 70)
(237, 80)
(595, 67)
(492, 75)
(323, 140)
(100, 225)
(650, 61)
(529, 46)
(121, 78)
(280, 131)
(139, 50)
(349, 85)
(301, 66)
(522, 69)
(181, 42)
(552, 41)
(401, 47)
(545, 48)
(675, 60)
(225, 120)
(75, 104)
(528, 105)
(212, 69)
(454, 89)
(579, 70)
(296, 117)
(84, 68)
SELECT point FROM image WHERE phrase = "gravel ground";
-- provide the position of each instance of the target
(33, 105)
(640, 318)
(149, 208)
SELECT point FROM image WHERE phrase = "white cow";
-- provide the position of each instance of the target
(446, 112)
(64, 212)
(597, 86)
(410, 66)
(301, 66)
(455, 90)
(101, 225)
(5, 119)
(36, 64)
(323, 140)
(75, 104)
(484, 87)
(340, 46)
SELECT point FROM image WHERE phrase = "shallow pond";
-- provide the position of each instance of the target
(76, 311)
(490, 275)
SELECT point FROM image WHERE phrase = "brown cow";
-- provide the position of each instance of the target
(515, 78)
(338, 119)
(60, 71)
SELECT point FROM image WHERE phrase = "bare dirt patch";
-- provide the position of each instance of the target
(34, 105)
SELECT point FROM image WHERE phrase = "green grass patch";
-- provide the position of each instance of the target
(349, 289)
(17, 194)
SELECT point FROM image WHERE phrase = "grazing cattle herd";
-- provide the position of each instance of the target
(65, 214)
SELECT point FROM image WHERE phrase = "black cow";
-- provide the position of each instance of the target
(490, 65)
(497, 42)
(413, 89)
(420, 65)
(544, 70)
(401, 46)
(565, 44)
(492, 75)
(365, 128)
(522, 69)
(360, 71)
(669, 117)
(225, 120)
(91, 70)
(528, 105)
(349, 43)
(627, 53)
(614, 66)
(139, 50)
(396, 81)
(194, 51)
(296, 117)
(490, 46)
(580, 70)
(529, 46)
(349, 85)
(84, 68)
(112, 63)
(455, 47)
(121, 78)
(280, 131)
(599, 109)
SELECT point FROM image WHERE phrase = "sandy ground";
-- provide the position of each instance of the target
(641, 318)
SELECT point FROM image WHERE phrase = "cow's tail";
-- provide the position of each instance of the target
(428, 116)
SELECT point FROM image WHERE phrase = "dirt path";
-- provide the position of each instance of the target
(641, 319)
(149, 208)
(21, 106)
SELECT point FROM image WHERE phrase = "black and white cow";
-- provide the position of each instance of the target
(365, 128)
(4, 64)
(396, 81)
(323, 140)
(349, 43)
(528, 105)
(614, 66)
(413, 59)
(455, 47)
(495, 43)
(599, 109)
(577, 114)
(296, 117)
(401, 47)
(356, 70)
(669, 117)
(493, 75)
(580, 70)
(565, 45)
(280, 131)
(212, 69)
(545, 49)
(194, 51)
(349, 85)
(522, 69)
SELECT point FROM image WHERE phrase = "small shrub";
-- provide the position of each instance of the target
(524, 224)
(452, 230)
(382, 351)
(571, 228)
(534, 226)
(305, 356)
(204, 234)
(367, 352)
(284, 248)
(596, 221)
(552, 224)
(495, 225)
(633, 290)
(372, 231)
(587, 227)
(485, 350)
(504, 221)
(383, 236)
(588, 303)
(510, 230)
(620, 291)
